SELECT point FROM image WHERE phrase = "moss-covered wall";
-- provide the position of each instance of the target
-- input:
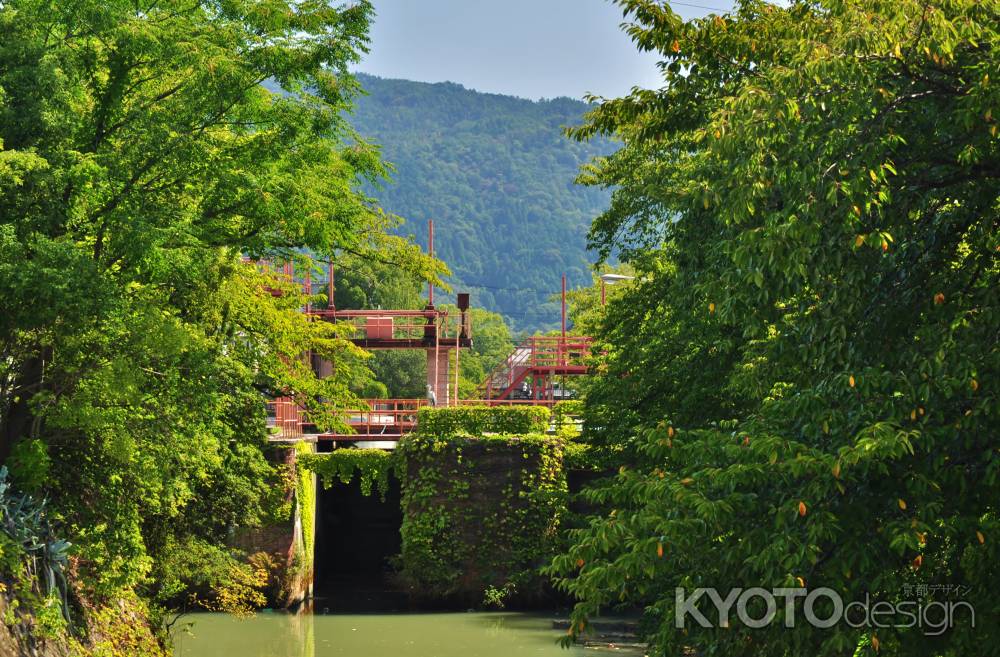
(480, 515)
(286, 548)
(481, 505)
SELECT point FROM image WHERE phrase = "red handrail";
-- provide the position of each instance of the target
(537, 356)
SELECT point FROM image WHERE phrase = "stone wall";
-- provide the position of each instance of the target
(288, 545)
(480, 516)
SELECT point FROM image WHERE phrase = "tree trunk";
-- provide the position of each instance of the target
(16, 422)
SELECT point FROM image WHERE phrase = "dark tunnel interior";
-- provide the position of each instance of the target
(356, 537)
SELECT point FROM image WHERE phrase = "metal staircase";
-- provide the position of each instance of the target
(536, 360)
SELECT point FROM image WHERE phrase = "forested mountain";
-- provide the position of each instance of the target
(496, 174)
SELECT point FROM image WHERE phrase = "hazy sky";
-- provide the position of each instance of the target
(529, 48)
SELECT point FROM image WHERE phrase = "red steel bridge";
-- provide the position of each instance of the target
(533, 374)
(529, 376)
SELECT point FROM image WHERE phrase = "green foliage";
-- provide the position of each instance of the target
(141, 159)
(480, 515)
(305, 501)
(50, 621)
(31, 552)
(480, 420)
(496, 176)
(363, 283)
(800, 386)
(402, 374)
(201, 574)
(566, 412)
(372, 467)
(121, 629)
(29, 464)
(496, 598)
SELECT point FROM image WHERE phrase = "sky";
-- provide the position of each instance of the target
(528, 48)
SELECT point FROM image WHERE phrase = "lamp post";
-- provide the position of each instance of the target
(611, 279)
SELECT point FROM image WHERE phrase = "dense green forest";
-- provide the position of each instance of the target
(496, 174)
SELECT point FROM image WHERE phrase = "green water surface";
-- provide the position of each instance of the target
(375, 635)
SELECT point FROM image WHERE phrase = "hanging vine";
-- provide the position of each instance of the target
(371, 466)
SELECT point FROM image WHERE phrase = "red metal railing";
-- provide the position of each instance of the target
(399, 324)
(385, 419)
(284, 418)
(376, 324)
(537, 356)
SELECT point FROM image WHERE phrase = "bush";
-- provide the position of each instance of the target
(480, 420)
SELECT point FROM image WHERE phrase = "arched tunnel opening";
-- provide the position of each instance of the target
(357, 536)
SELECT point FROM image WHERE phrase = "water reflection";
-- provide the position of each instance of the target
(374, 635)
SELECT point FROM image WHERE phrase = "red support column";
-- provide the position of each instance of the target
(430, 252)
(309, 290)
(564, 306)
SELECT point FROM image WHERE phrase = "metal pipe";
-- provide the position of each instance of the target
(430, 252)
(329, 285)
(437, 359)
(458, 348)
(309, 289)
(564, 305)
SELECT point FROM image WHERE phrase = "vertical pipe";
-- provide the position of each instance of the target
(458, 347)
(437, 360)
(430, 252)
(564, 306)
(309, 289)
(330, 304)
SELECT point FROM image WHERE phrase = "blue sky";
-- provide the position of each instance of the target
(528, 48)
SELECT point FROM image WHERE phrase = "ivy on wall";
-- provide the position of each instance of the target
(479, 513)
(483, 497)
(305, 493)
(371, 466)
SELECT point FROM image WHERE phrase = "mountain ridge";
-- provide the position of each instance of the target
(496, 174)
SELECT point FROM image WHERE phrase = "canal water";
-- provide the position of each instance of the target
(479, 634)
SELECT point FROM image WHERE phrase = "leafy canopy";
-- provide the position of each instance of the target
(801, 386)
(141, 157)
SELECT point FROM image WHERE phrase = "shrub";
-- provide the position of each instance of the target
(480, 420)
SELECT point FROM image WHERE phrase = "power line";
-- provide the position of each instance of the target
(688, 4)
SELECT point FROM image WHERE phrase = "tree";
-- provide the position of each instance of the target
(491, 344)
(803, 383)
(141, 158)
(363, 283)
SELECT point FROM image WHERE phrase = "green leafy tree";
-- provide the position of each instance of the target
(363, 282)
(491, 344)
(141, 158)
(803, 382)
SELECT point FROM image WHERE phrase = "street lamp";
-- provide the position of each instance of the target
(611, 279)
